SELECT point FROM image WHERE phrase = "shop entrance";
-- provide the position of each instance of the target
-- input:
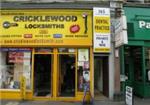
(66, 75)
(42, 75)
(101, 88)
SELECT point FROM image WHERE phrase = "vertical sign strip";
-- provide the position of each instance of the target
(101, 29)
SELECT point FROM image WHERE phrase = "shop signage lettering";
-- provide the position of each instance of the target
(144, 24)
(103, 38)
(102, 24)
(45, 18)
(55, 26)
(102, 41)
(32, 28)
(16, 49)
(41, 19)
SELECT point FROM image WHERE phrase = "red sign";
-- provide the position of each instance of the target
(74, 28)
(15, 57)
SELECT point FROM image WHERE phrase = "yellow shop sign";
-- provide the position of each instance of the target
(45, 27)
(102, 24)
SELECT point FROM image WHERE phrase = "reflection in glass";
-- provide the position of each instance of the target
(147, 63)
(67, 75)
(13, 65)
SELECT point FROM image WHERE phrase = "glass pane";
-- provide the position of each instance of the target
(15, 63)
(128, 62)
(83, 68)
(67, 75)
(27, 68)
(66, 50)
(42, 74)
(137, 59)
(43, 50)
(147, 63)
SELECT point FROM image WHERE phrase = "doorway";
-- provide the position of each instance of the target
(101, 87)
(42, 75)
(66, 75)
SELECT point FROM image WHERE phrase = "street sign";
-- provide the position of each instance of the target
(129, 95)
(121, 36)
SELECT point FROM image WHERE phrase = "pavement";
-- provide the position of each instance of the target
(137, 101)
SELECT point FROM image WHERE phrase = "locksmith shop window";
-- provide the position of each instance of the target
(83, 66)
(14, 63)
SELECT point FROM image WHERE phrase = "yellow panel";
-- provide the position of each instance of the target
(102, 24)
(28, 96)
(45, 27)
(80, 97)
(92, 72)
(55, 72)
(10, 94)
(14, 94)
(102, 49)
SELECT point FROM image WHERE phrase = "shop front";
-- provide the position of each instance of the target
(135, 57)
(51, 49)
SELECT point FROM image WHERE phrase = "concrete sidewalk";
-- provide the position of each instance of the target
(137, 101)
(57, 103)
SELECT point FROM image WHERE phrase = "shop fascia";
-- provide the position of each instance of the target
(144, 24)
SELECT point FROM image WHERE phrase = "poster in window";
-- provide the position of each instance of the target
(27, 68)
(81, 64)
(86, 65)
(148, 75)
(15, 57)
(83, 55)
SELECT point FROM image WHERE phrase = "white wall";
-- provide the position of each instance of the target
(111, 72)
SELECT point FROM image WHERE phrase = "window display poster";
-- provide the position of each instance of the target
(27, 68)
(15, 57)
(81, 63)
(80, 82)
(27, 57)
(86, 76)
(86, 65)
(83, 55)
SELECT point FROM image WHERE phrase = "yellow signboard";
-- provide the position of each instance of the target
(101, 29)
(102, 24)
(104, 50)
(45, 27)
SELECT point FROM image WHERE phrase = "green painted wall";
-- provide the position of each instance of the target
(134, 15)
(138, 36)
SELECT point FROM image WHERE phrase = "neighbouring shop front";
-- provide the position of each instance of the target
(135, 57)
(52, 49)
